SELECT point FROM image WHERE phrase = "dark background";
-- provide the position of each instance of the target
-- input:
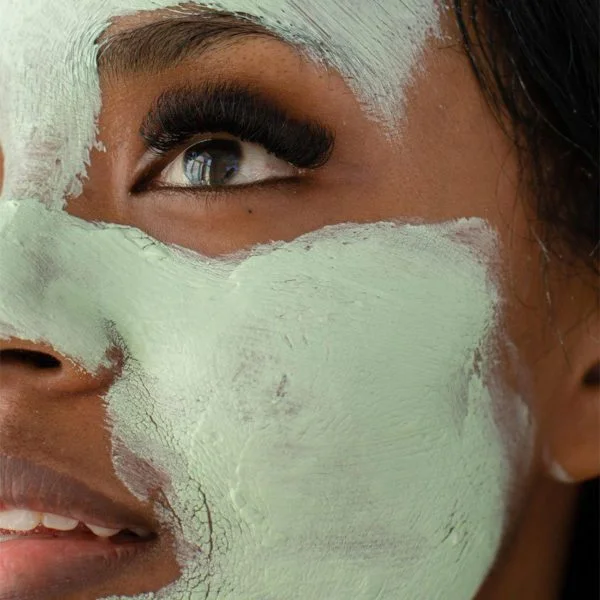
(582, 581)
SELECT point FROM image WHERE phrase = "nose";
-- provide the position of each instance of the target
(36, 367)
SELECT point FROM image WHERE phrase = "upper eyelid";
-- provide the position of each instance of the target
(180, 113)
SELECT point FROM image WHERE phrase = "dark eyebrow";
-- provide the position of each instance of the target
(164, 43)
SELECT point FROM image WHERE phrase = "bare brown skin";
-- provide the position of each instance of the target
(450, 160)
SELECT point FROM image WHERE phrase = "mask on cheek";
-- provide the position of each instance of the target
(325, 409)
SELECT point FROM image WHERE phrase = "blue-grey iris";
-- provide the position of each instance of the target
(212, 162)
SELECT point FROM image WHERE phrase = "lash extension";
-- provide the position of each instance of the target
(180, 114)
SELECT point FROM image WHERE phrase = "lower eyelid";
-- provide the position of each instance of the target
(261, 187)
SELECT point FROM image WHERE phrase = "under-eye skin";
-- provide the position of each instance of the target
(225, 135)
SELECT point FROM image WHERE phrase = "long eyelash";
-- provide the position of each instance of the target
(180, 114)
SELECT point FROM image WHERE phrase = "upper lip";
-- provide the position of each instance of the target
(27, 485)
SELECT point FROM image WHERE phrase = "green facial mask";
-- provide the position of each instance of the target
(329, 401)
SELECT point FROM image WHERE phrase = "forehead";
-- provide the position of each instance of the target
(361, 39)
(50, 98)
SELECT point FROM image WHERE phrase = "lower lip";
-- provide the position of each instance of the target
(52, 568)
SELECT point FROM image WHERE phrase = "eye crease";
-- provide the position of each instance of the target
(248, 139)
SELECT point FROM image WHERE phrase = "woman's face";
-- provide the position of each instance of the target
(299, 358)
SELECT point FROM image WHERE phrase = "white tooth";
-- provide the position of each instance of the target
(57, 522)
(8, 538)
(19, 520)
(102, 531)
(143, 533)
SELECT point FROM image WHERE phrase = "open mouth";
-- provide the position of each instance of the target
(80, 531)
(58, 537)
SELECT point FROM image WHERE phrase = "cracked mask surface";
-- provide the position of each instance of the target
(300, 397)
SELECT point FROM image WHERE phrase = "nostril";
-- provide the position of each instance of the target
(32, 358)
(592, 376)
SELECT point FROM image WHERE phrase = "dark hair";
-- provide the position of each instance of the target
(537, 63)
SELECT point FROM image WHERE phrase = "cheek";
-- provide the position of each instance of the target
(332, 395)
(326, 403)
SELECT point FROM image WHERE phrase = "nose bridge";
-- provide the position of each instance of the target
(38, 160)
(53, 331)
(27, 249)
(49, 98)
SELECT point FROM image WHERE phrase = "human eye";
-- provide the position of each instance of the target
(223, 135)
(221, 160)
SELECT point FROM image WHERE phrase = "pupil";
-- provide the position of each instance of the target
(212, 162)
